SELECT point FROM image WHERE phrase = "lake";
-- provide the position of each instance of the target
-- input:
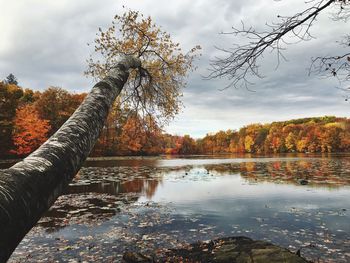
(149, 204)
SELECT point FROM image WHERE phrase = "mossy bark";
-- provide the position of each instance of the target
(31, 186)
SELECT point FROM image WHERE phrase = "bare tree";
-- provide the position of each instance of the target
(241, 63)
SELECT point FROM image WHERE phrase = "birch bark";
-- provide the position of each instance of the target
(30, 187)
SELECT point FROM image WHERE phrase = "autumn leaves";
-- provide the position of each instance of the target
(28, 118)
(154, 89)
(30, 131)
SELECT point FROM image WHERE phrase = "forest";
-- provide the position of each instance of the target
(28, 118)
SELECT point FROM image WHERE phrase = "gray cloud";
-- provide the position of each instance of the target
(44, 43)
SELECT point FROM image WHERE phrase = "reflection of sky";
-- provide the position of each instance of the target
(183, 162)
(201, 199)
(236, 188)
(285, 214)
(230, 199)
(256, 197)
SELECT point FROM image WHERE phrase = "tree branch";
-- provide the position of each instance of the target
(241, 62)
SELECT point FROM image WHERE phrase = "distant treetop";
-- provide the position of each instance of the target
(11, 79)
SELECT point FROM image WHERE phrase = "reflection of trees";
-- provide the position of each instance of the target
(93, 194)
(318, 172)
(148, 187)
(117, 180)
(90, 200)
(137, 186)
(121, 161)
(112, 188)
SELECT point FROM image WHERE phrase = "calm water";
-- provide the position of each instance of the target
(119, 204)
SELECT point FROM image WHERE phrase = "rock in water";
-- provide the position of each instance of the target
(224, 250)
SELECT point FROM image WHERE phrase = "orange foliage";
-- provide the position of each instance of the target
(129, 133)
(319, 134)
(30, 131)
(132, 137)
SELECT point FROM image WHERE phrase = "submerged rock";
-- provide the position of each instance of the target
(230, 250)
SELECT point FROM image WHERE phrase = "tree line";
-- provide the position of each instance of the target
(317, 134)
(28, 118)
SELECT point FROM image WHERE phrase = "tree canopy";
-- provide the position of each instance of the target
(10, 95)
(155, 88)
(57, 105)
(30, 131)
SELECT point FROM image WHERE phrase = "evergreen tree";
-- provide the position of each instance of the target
(11, 79)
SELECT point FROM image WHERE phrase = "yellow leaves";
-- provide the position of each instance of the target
(248, 143)
(157, 89)
(340, 125)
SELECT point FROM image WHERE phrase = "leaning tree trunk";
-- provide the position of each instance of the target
(31, 186)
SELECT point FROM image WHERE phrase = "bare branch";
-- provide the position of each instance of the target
(242, 60)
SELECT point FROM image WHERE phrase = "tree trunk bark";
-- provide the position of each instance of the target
(30, 187)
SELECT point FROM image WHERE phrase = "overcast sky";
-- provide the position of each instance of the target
(44, 43)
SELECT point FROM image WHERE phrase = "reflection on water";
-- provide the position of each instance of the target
(146, 187)
(294, 201)
(144, 179)
(316, 172)
(116, 180)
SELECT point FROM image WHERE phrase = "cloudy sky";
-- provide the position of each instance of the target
(44, 43)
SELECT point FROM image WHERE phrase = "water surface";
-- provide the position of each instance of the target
(148, 204)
